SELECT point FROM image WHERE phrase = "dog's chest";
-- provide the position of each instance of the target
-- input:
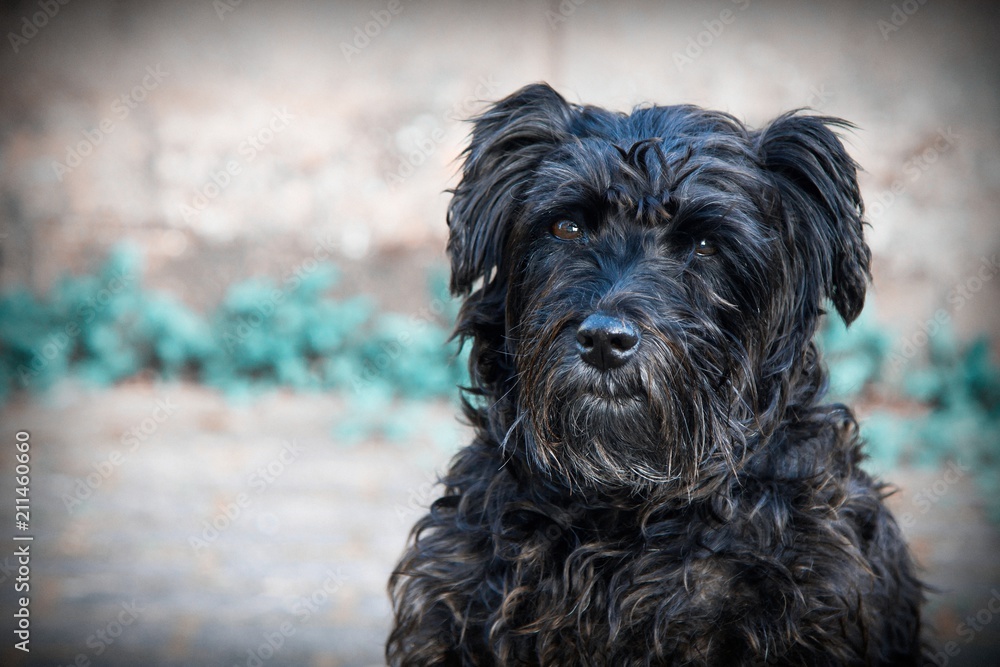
(611, 588)
(680, 569)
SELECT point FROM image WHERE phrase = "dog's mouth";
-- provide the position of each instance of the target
(601, 438)
(621, 390)
(617, 400)
(618, 413)
(613, 404)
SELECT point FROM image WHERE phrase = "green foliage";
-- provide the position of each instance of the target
(106, 327)
(87, 322)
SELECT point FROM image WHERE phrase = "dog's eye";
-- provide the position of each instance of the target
(567, 230)
(705, 248)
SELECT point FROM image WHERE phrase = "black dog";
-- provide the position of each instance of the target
(654, 479)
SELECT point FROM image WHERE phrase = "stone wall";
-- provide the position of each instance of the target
(228, 138)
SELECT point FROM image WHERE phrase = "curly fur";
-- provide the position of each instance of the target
(699, 505)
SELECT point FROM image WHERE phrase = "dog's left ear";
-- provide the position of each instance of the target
(818, 186)
(508, 143)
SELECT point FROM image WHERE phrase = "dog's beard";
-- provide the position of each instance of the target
(656, 422)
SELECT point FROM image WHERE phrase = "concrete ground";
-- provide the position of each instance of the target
(217, 526)
(174, 528)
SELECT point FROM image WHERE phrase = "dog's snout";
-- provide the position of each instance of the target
(607, 342)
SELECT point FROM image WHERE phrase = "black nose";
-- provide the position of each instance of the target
(607, 342)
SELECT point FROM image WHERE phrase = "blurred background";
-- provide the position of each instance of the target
(223, 314)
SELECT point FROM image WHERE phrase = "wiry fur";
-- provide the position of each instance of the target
(698, 505)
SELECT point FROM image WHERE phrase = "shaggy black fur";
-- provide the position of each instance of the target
(654, 480)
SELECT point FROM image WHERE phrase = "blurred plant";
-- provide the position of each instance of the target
(944, 407)
(106, 327)
(101, 325)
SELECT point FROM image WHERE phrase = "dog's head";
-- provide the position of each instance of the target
(642, 290)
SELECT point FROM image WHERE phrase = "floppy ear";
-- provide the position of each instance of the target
(818, 186)
(508, 142)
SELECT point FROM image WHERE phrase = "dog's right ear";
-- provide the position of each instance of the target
(508, 143)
